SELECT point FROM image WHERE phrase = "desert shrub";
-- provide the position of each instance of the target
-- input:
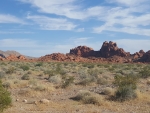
(126, 87)
(87, 97)
(40, 88)
(148, 82)
(108, 91)
(25, 67)
(39, 64)
(55, 79)
(2, 74)
(6, 85)
(93, 72)
(145, 72)
(86, 81)
(5, 99)
(25, 77)
(67, 81)
(10, 70)
(90, 66)
(102, 81)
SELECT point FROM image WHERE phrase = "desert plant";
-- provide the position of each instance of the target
(55, 79)
(67, 81)
(145, 72)
(102, 81)
(5, 99)
(25, 67)
(108, 91)
(126, 87)
(87, 97)
(39, 64)
(86, 81)
(25, 77)
(10, 70)
(2, 74)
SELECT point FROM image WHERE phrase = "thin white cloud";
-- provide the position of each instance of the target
(5, 18)
(128, 16)
(16, 32)
(80, 30)
(10, 42)
(131, 20)
(128, 2)
(47, 23)
(67, 8)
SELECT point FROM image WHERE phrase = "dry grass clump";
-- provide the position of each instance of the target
(87, 97)
(108, 91)
(148, 82)
(55, 79)
(102, 81)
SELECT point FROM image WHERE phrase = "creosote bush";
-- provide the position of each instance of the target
(87, 97)
(5, 99)
(145, 72)
(25, 77)
(67, 81)
(25, 67)
(10, 70)
(126, 87)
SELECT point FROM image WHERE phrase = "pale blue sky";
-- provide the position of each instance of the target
(40, 27)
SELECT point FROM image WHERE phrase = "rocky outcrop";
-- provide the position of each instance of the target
(109, 53)
(54, 56)
(110, 49)
(82, 51)
(107, 50)
(145, 57)
(21, 57)
(14, 58)
(138, 55)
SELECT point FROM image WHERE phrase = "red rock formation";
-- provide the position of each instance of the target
(12, 58)
(145, 57)
(110, 49)
(138, 55)
(82, 51)
(21, 57)
(54, 56)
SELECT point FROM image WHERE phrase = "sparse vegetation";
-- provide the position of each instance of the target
(5, 99)
(25, 77)
(25, 67)
(126, 87)
(145, 72)
(10, 70)
(87, 97)
(85, 83)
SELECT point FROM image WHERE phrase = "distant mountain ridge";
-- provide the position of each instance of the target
(7, 53)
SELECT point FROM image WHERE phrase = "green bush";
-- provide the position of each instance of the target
(25, 67)
(145, 72)
(25, 77)
(126, 87)
(67, 82)
(87, 97)
(39, 64)
(2, 74)
(5, 99)
(10, 70)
